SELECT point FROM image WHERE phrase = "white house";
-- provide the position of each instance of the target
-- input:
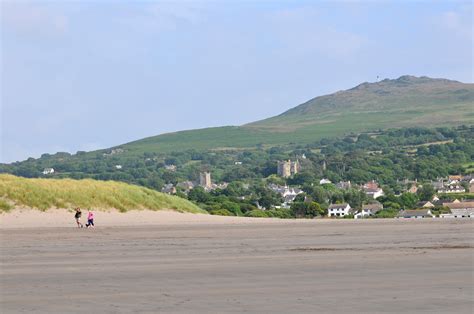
(374, 193)
(452, 189)
(339, 210)
(284, 190)
(368, 210)
(324, 181)
(415, 213)
(118, 167)
(288, 194)
(372, 189)
(461, 209)
(47, 171)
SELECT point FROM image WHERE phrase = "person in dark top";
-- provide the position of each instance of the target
(77, 216)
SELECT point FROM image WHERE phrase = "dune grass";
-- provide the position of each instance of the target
(44, 194)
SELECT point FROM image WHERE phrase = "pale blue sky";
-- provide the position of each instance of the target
(93, 74)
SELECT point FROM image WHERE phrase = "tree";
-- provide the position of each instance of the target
(408, 200)
(306, 210)
(426, 192)
(199, 195)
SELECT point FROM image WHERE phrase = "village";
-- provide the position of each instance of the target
(439, 205)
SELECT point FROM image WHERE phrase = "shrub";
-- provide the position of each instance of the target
(4, 205)
(221, 212)
(257, 214)
(387, 213)
(280, 213)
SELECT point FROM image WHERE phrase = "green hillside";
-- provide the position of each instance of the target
(67, 193)
(404, 102)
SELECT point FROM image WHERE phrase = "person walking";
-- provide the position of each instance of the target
(77, 216)
(90, 219)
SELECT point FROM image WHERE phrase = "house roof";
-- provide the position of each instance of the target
(425, 204)
(334, 206)
(460, 205)
(414, 212)
(372, 207)
(372, 190)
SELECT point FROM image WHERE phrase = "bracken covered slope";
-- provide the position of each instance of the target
(404, 102)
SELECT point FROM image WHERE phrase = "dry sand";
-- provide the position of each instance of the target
(204, 264)
(29, 218)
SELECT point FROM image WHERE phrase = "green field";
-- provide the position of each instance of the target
(44, 194)
(469, 167)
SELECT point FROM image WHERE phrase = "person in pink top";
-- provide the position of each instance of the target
(90, 219)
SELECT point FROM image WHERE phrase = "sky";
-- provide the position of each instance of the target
(94, 74)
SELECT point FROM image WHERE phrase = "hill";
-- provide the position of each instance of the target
(67, 193)
(408, 101)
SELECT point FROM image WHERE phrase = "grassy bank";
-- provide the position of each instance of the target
(67, 193)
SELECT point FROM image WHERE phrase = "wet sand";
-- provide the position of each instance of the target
(370, 266)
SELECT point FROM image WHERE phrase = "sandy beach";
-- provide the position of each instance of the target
(61, 218)
(182, 263)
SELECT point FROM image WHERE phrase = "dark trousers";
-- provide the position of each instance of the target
(90, 222)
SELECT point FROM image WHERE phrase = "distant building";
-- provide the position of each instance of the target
(452, 189)
(288, 194)
(288, 168)
(186, 186)
(415, 213)
(205, 180)
(468, 178)
(47, 171)
(344, 185)
(284, 190)
(324, 181)
(339, 210)
(425, 204)
(437, 184)
(284, 169)
(461, 209)
(413, 188)
(170, 167)
(454, 179)
(169, 189)
(114, 152)
(372, 190)
(368, 210)
(118, 167)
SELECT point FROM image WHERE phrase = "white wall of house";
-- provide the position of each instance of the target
(339, 212)
(363, 213)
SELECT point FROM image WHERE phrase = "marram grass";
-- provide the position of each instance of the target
(44, 194)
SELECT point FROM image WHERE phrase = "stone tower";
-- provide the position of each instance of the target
(205, 180)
